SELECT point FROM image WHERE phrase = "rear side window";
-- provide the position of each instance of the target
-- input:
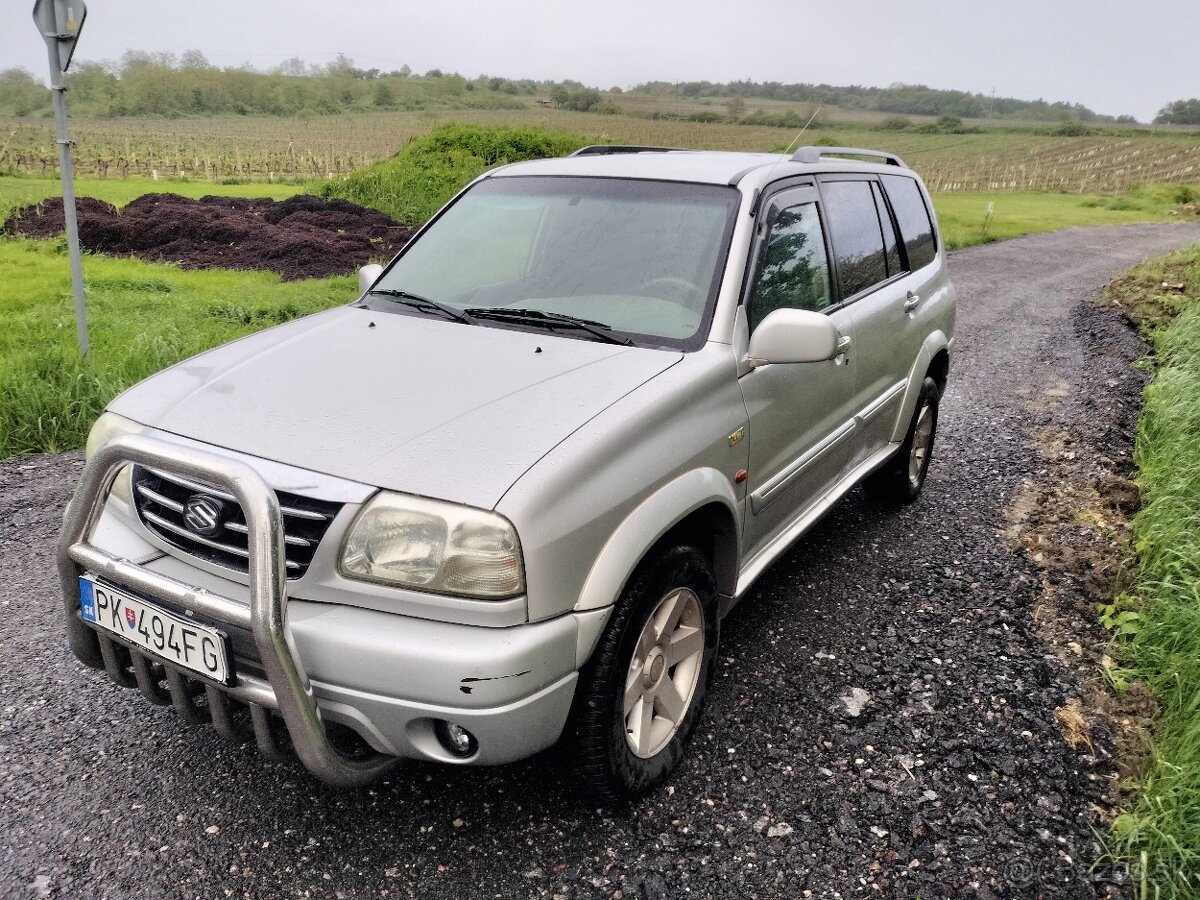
(857, 238)
(916, 228)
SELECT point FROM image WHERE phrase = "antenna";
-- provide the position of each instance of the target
(800, 133)
(787, 153)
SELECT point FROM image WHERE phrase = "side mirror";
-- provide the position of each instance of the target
(368, 275)
(793, 336)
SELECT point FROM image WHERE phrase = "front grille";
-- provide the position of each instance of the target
(161, 501)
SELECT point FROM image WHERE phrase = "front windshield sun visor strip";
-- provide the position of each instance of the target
(286, 687)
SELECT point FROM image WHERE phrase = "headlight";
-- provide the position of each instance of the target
(434, 546)
(107, 428)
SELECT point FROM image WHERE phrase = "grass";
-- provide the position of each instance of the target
(1159, 836)
(143, 316)
(964, 219)
(18, 190)
(413, 185)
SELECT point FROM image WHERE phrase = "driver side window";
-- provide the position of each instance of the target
(793, 270)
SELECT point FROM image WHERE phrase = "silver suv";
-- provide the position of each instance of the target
(508, 494)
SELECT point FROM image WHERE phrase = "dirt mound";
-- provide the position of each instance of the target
(301, 237)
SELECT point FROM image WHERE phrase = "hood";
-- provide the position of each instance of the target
(410, 404)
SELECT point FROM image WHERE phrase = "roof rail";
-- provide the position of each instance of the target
(814, 154)
(608, 149)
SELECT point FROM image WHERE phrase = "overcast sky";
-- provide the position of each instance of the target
(1115, 56)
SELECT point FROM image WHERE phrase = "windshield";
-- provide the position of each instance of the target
(640, 258)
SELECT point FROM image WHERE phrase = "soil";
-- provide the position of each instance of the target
(1072, 518)
(301, 237)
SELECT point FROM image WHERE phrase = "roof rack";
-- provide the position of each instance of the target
(608, 149)
(814, 154)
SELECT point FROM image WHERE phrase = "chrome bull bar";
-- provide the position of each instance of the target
(287, 688)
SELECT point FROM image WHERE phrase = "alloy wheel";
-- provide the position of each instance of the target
(663, 672)
(921, 443)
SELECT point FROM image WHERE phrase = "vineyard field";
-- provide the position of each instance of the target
(300, 149)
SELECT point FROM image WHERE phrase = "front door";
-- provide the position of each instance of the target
(801, 419)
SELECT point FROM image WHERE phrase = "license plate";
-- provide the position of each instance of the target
(187, 644)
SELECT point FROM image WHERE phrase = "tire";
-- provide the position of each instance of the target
(616, 756)
(900, 479)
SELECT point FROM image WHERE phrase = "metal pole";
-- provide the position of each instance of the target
(58, 92)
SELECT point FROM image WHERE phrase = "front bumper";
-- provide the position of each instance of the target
(387, 678)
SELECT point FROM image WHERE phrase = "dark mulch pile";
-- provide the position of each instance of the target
(301, 237)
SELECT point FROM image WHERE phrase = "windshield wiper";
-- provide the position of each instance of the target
(548, 320)
(416, 301)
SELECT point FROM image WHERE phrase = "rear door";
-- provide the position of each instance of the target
(875, 285)
(800, 415)
(924, 284)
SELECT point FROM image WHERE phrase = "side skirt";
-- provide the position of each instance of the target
(805, 520)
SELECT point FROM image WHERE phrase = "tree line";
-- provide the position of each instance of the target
(897, 99)
(163, 84)
(166, 84)
(1179, 112)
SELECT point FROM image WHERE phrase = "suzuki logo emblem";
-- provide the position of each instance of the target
(202, 515)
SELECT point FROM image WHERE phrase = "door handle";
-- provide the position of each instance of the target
(843, 345)
(913, 301)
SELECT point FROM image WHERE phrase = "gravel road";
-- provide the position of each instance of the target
(952, 781)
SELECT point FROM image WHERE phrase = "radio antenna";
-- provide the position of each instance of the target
(796, 140)
(800, 133)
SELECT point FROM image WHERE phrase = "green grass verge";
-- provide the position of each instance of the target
(417, 181)
(963, 216)
(1160, 835)
(143, 317)
(17, 190)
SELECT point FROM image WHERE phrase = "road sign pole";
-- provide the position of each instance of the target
(68, 187)
(59, 22)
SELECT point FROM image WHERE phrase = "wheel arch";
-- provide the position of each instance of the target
(711, 529)
(698, 507)
(933, 360)
(939, 368)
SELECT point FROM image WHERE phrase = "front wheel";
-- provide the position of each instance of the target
(641, 693)
(901, 478)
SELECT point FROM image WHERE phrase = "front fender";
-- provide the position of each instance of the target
(647, 523)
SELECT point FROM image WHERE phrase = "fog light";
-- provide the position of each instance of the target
(456, 739)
